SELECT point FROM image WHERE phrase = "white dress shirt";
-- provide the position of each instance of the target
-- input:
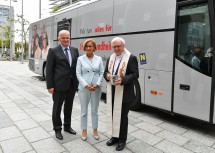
(117, 62)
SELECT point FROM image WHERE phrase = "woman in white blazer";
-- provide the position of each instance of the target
(89, 72)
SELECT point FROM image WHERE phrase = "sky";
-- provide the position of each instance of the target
(30, 11)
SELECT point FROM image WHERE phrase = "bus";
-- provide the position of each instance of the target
(173, 41)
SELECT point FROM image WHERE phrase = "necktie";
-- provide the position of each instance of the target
(67, 55)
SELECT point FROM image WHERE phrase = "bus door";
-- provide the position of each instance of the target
(193, 61)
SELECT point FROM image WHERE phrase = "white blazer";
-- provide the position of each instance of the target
(89, 71)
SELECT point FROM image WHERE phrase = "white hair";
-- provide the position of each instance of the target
(63, 32)
(118, 39)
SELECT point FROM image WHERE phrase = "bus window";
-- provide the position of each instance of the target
(193, 39)
(64, 25)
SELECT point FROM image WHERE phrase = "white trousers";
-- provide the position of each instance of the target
(93, 97)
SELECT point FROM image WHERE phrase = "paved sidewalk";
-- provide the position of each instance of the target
(26, 126)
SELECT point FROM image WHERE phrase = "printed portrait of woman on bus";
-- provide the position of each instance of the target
(33, 45)
(45, 46)
(37, 53)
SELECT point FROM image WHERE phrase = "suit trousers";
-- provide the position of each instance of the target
(124, 118)
(93, 97)
(59, 97)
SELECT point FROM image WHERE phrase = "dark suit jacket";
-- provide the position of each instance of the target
(131, 75)
(58, 70)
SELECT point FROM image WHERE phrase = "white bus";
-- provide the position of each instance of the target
(173, 40)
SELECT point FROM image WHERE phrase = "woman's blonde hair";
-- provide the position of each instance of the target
(90, 40)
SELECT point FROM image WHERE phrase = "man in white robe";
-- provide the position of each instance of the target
(124, 67)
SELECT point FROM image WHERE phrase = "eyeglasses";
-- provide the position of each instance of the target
(88, 46)
(118, 46)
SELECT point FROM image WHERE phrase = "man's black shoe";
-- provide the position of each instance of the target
(111, 142)
(58, 135)
(69, 130)
(120, 146)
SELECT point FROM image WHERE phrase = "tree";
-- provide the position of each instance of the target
(6, 35)
(25, 32)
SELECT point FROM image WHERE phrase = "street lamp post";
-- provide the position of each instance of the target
(11, 42)
(39, 9)
(2, 40)
(22, 33)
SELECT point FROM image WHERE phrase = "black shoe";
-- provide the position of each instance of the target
(120, 146)
(69, 130)
(58, 135)
(111, 142)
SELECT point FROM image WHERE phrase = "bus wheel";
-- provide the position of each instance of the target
(136, 104)
(44, 71)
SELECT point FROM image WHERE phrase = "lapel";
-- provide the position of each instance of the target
(90, 63)
(72, 55)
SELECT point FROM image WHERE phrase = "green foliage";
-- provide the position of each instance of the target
(25, 33)
(55, 9)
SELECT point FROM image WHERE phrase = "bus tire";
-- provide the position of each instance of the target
(44, 71)
(136, 104)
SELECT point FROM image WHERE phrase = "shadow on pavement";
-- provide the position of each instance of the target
(40, 78)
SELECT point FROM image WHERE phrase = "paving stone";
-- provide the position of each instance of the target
(3, 115)
(26, 124)
(36, 134)
(102, 147)
(150, 120)
(17, 145)
(92, 140)
(48, 111)
(133, 120)
(48, 146)
(66, 137)
(198, 147)
(33, 111)
(148, 127)
(32, 151)
(132, 128)
(20, 101)
(9, 133)
(169, 147)
(19, 116)
(146, 137)
(6, 122)
(5, 100)
(1, 109)
(173, 128)
(102, 118)
(41, 117)
(13, 110)
(7, 105)
(47, 125)
(37, 102)
(40, 94)
(47, 99)
(172, 137)
(16, 97)
(199, 137)
(44, 106)
(139, 146)
(129, 138)
(26, 106)
(135, 114)
(76, 146)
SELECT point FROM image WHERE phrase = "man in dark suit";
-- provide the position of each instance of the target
(61, 81)
(120, 73)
